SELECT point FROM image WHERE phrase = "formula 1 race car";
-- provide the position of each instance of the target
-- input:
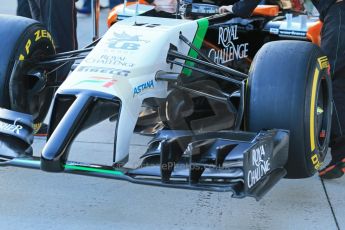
(231, 104)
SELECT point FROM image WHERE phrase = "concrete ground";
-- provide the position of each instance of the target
(36, 200)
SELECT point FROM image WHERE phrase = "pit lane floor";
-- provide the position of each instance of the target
(37, 200)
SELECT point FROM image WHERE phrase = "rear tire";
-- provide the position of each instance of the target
(289, 88)
(23, 39)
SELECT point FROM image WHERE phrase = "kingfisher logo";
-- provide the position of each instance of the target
(143, 87)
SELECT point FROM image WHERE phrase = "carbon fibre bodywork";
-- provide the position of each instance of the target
(183, 82)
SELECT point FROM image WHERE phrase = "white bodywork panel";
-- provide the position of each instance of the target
(124, 64)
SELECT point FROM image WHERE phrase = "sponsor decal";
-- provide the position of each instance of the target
(38, 35)
(292, 33)
(230, 51)
(143, 87)
(125, 41)
(259, 165)
(110, 60)
(147, 25)
(323, 62)
(14, 128)
(104, 70)
(42, 34)
(316, 162)
(274, 30)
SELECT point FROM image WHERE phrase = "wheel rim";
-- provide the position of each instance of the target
(322, 113)
(33, 96)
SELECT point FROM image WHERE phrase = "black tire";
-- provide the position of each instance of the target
(23, 39)
(289, 88)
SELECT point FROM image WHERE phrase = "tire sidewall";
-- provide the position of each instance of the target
(35, 38)
(317, 73)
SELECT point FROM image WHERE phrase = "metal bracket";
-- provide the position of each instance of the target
(96, 8)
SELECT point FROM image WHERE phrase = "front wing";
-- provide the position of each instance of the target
(246, 164)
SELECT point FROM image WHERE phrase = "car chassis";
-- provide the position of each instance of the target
(226, 160)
